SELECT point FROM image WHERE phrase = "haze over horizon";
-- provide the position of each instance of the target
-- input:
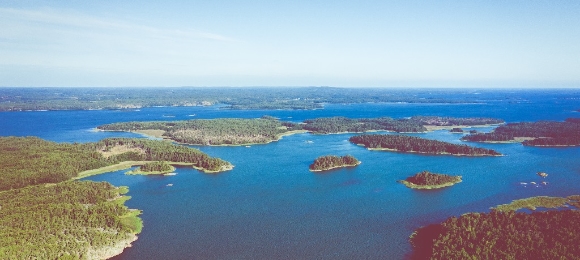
(300, 43)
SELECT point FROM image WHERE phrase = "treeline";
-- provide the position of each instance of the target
(222, 131)
(544, 133)
(339, 124)
(30, 161)
(403, 143)
(158, 166)
(328, 162)
(426, 178)
(69, 220)
(455, 121)
(501, 235)
(18, 99)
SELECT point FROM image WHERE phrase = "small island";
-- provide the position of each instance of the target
(150, 168)
(329, 162)
(428, 180)
(411, 144)
(456, 130)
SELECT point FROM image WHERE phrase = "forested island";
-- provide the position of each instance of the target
(239, 131)
(411, 144)
(333, 125)
(415, 124)
(502, 235)
(22, 99)
(221, 131)
(158, 167)
(429, 180)
(541, 133)
(329, 162)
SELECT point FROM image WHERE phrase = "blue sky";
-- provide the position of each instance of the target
(290, 43)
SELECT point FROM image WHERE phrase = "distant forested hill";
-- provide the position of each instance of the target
(19, 99)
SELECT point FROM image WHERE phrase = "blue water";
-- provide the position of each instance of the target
(271, 207)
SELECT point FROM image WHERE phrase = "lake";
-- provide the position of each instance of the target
(270, 206)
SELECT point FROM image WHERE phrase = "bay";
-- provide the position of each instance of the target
(271, 207)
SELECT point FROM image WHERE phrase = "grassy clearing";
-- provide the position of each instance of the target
(132, 221)
(126, 165)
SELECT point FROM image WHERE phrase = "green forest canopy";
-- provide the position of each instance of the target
(68, 220)
(501, 235)
(426, 178)
(332, 161)
(30, 161)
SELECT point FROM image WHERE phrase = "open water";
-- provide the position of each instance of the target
(271, 207)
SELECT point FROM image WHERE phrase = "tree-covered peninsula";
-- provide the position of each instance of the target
(541, 133)
(411, 144)
(502, 235)
(328, 162)
(45, 215)
(221, 131)
(429, 180)
(30, 161)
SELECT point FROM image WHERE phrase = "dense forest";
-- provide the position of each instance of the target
(501, 235)
(429, 180)
(328, 162)
(161, 166)
(155, 167)
(541, 133)
(20, 99)
(455, 121)
(411, 144)
(68, 220)
(30, 161)
(221, 131)
(330, 125)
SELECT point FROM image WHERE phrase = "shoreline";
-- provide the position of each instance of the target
(128, 164)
